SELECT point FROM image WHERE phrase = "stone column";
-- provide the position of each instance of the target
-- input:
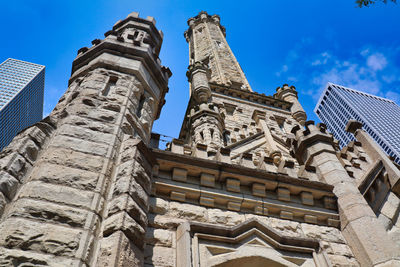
(198, 75)
(365, 235)
(289, 94)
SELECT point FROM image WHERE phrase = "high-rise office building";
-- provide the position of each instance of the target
(380, 116)
(21, 97)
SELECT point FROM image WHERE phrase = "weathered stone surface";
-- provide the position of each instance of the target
(74, 159)
(8, 184)
(125, 203)
(58, 194)
(48, 211)
(187, 211)
(322, 233)
(90, 124)
(370, 241)
(164, 222)
(123, 222)
(340, 261)
(3, 203)
(41, 237)
(391, 206)
(72, 177)
(159, 237)
(160, 256)
(15, 164)
(158, 205)
(218, 216)
(286, 227)
(135, 190)
(117, 250)
(80, 145)
(16, 257)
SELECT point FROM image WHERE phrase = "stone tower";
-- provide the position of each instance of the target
(249, 182)
(75, 186)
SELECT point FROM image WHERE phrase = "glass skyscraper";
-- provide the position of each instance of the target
(380, 116)
(21, 97)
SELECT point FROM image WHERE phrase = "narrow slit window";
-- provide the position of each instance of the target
(112, 81)
(140, 105)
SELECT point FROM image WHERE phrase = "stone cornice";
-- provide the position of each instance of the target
(234, 187)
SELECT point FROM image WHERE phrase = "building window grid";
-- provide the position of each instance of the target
(364, 101)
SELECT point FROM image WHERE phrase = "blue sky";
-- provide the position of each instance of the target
(303, 43)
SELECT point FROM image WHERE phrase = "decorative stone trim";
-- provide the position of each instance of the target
(307, 198)
(207, 180)
(207, 201)
(179, 174)
(219, 185)
(235, 206)
(233, 185)
(178, 196)
(310, 219)
(283, 194)
(259, 190)
(286, 215)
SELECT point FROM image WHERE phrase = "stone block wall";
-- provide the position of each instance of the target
(165, 216)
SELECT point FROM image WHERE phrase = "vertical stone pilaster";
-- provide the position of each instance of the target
(126, 220)
(365, 235)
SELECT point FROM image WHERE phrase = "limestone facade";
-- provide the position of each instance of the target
(248, 182)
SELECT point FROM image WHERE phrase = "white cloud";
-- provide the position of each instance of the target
(377, 61)
(349, 74)
(283, 70)
(322, 59)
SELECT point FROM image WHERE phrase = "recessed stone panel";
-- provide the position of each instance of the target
(179, 174)
(207, 180)
(307, 198)
(283, 194)
(258, 190)
(233, 185)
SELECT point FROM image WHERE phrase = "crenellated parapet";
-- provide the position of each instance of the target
(131, 48)
(311, 141)
(202, 17)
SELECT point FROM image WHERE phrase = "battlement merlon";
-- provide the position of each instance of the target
(131, 47)
(201, 17)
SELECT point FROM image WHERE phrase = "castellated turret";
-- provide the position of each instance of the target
(289, 94)
(79, 181)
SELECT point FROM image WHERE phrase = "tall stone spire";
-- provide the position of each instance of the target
(207, 44)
